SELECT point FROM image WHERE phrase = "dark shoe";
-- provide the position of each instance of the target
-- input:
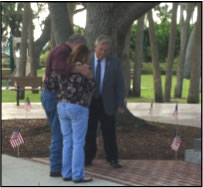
(55, 174)
(115, 164)
(67, 179)
(83, 180)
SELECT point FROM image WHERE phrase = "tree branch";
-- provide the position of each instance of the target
(45, 36)
(79, 10)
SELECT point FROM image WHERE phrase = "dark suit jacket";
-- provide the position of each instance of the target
(113, 93)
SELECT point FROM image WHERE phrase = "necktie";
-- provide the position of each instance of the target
(98, 78)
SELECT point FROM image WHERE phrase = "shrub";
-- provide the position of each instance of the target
(43, 58)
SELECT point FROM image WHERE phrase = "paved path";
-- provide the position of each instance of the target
(25, 172)
(188, 115)
(34, 172)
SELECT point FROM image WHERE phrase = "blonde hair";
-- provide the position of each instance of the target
(79, 54)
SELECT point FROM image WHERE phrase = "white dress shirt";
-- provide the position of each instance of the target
(103, 66)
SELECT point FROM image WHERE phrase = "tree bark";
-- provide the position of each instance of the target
(21, 69)
(113, 19)
(196, 62)
(138, 58)
(61, 22)
(52, 38)
(184, 40)
(188, 55)
(33, 71)
(23, 46)
(71, 8)
(155, 60)
(171, 54)
(125, 57)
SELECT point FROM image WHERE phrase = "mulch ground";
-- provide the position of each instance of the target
(135, 143)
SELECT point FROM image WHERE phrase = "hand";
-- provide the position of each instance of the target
(84, 70)
(121, 110)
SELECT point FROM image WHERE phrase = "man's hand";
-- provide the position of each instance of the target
(84, 70)
(121, 110)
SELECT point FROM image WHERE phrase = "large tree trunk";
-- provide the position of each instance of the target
(196, 62)
(184, 40)
(114, 20)
(171, 54)
(71, 8)
(138, 58)
(126, 66)
(61, 22)
(155, 60)
(52, 37)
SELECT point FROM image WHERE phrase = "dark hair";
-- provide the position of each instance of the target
(76, 38)
(79, 54)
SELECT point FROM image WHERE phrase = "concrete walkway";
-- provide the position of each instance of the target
(24, 172)
(34, 172)
(188, 114)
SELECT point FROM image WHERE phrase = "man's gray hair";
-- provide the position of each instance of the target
(77, 38)
(103, 39)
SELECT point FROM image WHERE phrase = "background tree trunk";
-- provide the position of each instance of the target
(196, 62)
(23, 46)
(138, 58)
(184, 40)
(61, 22)
(21, 69)
(155, 60)
(33, 71)
(188, 55)
(171, 54)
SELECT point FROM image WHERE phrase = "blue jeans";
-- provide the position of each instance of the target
(74, 122)
(50, 106)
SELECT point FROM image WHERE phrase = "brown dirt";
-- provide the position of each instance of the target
(135, 143)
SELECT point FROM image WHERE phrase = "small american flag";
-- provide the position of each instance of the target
(176, 143)
(175, 113)
(151, 108)
(16, 138)
(27, 105)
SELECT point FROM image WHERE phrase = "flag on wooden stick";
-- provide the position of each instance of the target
(16, 138)
(27, 105)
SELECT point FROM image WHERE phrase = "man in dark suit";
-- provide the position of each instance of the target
(106, 101)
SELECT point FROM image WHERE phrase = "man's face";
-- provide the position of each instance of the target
(101, 51)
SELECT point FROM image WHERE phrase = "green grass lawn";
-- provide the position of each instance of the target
(147, 91)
